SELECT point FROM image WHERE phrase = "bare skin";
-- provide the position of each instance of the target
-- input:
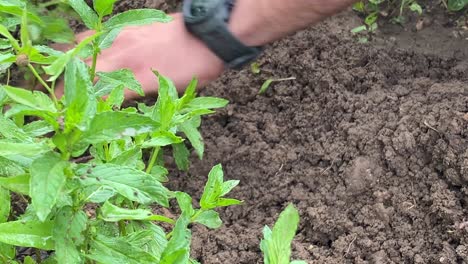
(174, 52)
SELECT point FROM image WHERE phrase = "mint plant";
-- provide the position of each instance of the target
(373, 9)
(79, 161)
(276, 243)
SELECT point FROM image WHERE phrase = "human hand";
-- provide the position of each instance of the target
(168, 48)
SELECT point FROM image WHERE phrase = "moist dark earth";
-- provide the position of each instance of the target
(370, 142)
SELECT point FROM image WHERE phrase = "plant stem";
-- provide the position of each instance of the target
(122, 229)
(94, 65)
(38, 255)
(107, 152)
(154, 156)
(8, 76)
(39, 78)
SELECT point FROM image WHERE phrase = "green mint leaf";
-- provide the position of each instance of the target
(136, 17)
(104, 7)
(112, 213)
(189, 94)
(222, 202)
(87, 14)
(209, 219)
(17, 184)
(79, 96)
(228, 186)
(181, 156)
(128, 158)
(17, 9)
(206, 103)
(265, 86)
(4, 32)
(276, 244)
(116, 97)
(9, 168)
(110, 80)
(117, 250)
(47, 181)
(8, 148)
(35, 100)
(178, 248)
(133, 184)
(185, 203)
(9, 130)
(109, 126)
(152, 240)
(214, 189)
(37, 128)
(160, 173)
(4, 204)
(57, 30)
(28, 234)
(161, 139)
(67, 234)
(190, 129)
(8, 252)
(57, 67)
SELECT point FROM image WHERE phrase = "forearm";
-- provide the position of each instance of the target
(259, 22)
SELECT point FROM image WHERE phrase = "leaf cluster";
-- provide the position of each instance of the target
(101, 209)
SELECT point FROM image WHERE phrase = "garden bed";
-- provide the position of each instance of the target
(370, 143)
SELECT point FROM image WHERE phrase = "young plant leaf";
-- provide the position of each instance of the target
(117, 250)
(36, 100)
(79, 96)
(276, 245)
(181, 156)
(178, 248)
(28, 234)
(87, 14)
(185, 203)
(5, 204)
(109, 126)
(8, 148)
(112, 213)
(161, 139)
(47, 181)
(67, 234)
(9, 168)
(104, 7)
(190, 129)
(136, 17)
(17, 184)
(133, 184)
(209, 219)
(206, 103)
(213, 192)
(109, 80)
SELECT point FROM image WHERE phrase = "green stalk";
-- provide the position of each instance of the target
(48, 88)
(94, 65)
(122, 229)
(154, 156)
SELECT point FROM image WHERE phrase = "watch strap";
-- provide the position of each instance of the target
(212, 29)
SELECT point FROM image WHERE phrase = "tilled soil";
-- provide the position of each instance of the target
(370, 143)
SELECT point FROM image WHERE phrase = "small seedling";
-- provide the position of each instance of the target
(269, 82)
(373, 9)
(276, 243)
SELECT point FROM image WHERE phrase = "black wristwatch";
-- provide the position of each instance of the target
(208, 21)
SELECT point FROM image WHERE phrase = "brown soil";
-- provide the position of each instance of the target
(369, 142)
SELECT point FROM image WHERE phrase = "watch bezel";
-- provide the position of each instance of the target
(190, 18)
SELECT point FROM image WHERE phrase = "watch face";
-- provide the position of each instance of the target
(201, 8)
